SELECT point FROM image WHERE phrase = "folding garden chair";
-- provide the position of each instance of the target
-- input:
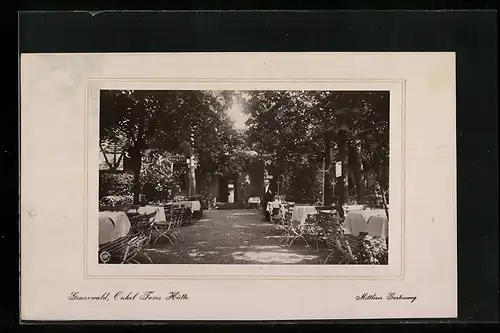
(178, 219)
(292, 231)
(130, 248)
(276, 219)
(164, 229)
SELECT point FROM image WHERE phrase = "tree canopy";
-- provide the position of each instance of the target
(297, 130)
(296, 134)
(165, 120)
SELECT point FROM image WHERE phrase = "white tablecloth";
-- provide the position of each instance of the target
(148, 209)
(374, 222)
(254, 200)
(273, 204)
(194, 205)
(112, 225)
(368, 213)
(276, 204)
(351, 208)
(300, 213)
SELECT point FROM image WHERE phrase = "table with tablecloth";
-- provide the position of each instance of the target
(112, 225)
(254, 200)
(195, 206)
(300, 213)
(276, 204)
(148, 209)
(351, 208)
(372, 221)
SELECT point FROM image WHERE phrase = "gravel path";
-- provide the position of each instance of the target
(231, 237)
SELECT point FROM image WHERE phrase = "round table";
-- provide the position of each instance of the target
(300, 213)
(112, 225)
(148, 209)
(372, 221)
(275, 204)
(195, 206)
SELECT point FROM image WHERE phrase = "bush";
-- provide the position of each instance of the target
(203, 198)
(117, 200)
(115, 184)
(158, 182)
(373, 251)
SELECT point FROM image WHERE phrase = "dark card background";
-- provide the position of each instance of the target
(471, 34)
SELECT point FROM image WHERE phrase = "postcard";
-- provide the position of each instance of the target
(238, 186)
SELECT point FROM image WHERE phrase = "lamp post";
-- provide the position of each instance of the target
(324, 183)
(278, 182)
(192, 163)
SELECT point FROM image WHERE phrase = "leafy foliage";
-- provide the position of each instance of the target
(115, 184)
(373, 251)
(142, 121)
(289, 129)
(158, 180)
(292, 132)
(116, 200)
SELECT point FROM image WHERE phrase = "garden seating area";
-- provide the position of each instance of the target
(330, 233)
(126, 231)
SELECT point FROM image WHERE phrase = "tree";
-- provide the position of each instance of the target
(158, 179)
(138, 119)
(164, 120)
(295, 128)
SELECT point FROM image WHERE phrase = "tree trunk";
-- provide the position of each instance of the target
(136, 157)
(362, 182)
(356, 165)
(384, 178)
(365, 167)
(342, 157)
(381, 179)
(327, 190)
(192, 177)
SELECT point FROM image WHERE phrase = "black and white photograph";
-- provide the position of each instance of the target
(190, 177)
(244, 177)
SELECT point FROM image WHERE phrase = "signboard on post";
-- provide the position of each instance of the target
(111, 160)
(338, 169)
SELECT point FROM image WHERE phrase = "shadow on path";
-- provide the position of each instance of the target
(232, 237)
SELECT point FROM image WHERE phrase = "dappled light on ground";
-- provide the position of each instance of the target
(159, 250)
(243, 214)
(195, 254)
(231, 237)
(273, 257)
(272, 237)
(240, 226)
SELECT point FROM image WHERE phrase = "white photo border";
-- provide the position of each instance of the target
(395, 267)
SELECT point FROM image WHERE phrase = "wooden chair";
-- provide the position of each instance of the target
(177, 218)
(326, 227)
(142, 223)
(292, 230)
(187, 215)
(278, 217)
(164, 229)
(113, 208)
(133, 211)
(170, 229)
(343, 248)
(312, 230)
(125, 250)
